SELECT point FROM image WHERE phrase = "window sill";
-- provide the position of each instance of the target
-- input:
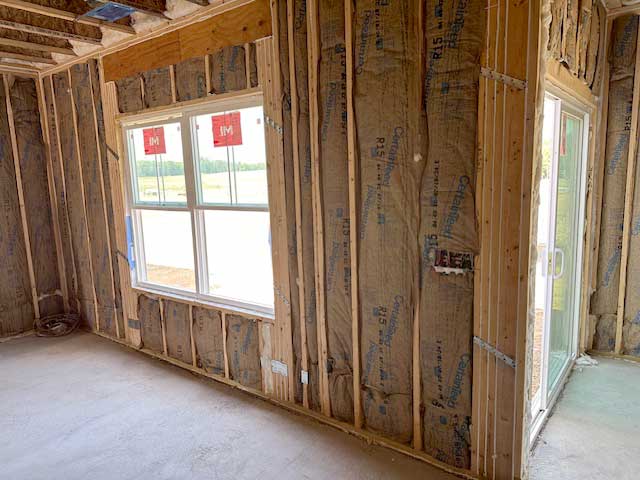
(198, 302)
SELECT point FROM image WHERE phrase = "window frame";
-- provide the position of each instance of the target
(185, 116)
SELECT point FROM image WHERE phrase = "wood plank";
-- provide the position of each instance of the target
(233, 27)
(313, 47)
(26, 57)
(9, 42)
(65, 15)
(628, 200)
(14, 19)
(353, 217)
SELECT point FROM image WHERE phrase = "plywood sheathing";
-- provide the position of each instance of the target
(74, 197)
(91, 168)
(16, 301)
(621, 60)
(448, 230)
(243, 351)
(208, 338)
(35, 187)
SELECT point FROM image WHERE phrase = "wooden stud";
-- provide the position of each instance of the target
(193, 341)
(297, 199)
(224, 345)
(313, 45)
(84, 203)
(628, 200)
(247, 64)
(53, 197)
(353, 216)
(207, 73)
(23, 212)
(163, 325)
(172, 78)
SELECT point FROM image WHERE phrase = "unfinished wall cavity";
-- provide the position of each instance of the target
(16, 297)
(32, 157)
(604, 303)
(574, 38)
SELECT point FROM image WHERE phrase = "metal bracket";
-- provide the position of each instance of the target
(501, 77)
(494, 351)
(272, 123)
(304, 377)
(279, 367)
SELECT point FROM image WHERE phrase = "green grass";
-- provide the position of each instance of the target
(252, 187)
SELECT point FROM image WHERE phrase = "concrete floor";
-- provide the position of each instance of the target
(82, 407)
(594, 431)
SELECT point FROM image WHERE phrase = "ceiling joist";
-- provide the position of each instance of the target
(26, 58)
(22, 21)
(65, 15)
(9, 42)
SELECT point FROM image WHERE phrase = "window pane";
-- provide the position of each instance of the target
(168, 248)
(239, 256)
(158, 165)
(232, 158)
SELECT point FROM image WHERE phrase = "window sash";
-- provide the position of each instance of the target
(194, 205)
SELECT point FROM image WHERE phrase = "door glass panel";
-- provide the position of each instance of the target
(565, 254)
(542, 243)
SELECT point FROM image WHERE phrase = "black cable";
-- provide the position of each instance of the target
(56, 325)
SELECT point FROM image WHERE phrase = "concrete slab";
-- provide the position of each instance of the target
(593, 432)
(82, 407)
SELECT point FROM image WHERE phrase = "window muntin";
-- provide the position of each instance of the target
(201, 223)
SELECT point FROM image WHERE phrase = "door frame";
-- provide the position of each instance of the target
(544, 401)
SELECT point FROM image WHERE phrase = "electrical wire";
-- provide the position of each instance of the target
(56, 325)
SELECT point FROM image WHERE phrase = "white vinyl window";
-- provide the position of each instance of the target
(198, 200)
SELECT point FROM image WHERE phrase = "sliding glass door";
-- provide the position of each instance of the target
(559, 246)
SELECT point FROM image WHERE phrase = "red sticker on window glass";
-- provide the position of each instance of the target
(226, 129)
(154, 141)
